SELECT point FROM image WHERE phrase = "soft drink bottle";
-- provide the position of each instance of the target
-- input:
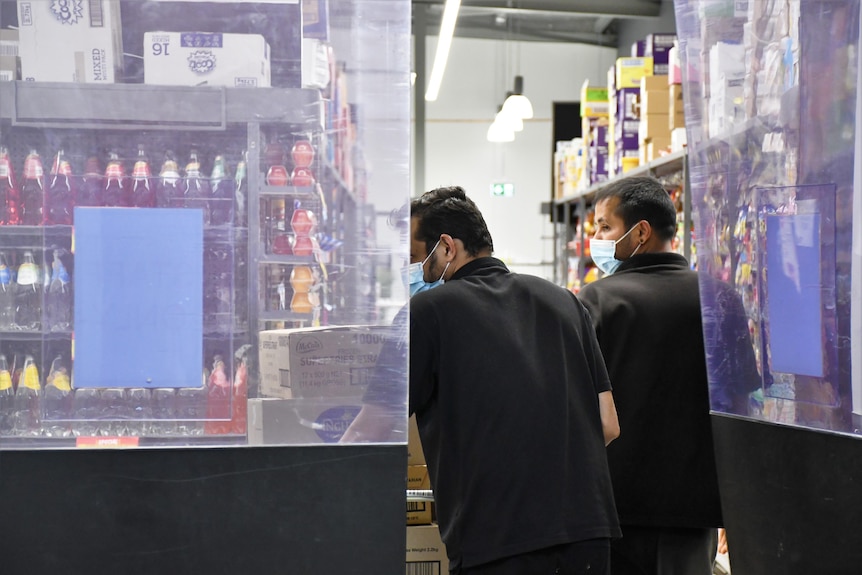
(26, 412)
(7, 295)
(87, 405)
(28, 294)
(7, 398)
(241, 190)
(60, 198)
(221, 207)
(168, 194)
(91, 194)
(116, 183)
(58, 296)
(10, 195)
(33, 191)
(143, 195)
(239, 411)
(196, 189)
(218, 421)
(57, 401)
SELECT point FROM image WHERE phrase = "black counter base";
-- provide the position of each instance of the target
(236, 510)
(792, 498)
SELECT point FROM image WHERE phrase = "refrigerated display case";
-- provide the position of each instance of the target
(186, 189)
(772, 106)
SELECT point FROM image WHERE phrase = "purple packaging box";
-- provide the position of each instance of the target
(627, 103)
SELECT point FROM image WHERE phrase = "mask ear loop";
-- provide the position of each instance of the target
(444, 271)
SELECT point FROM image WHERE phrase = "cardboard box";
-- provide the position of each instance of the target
(205, 58)
(426, 553)
(10, 68)
(629, 71)
(594, 101)
(274, 421)
(653, 83)
(655, 101)
(8, 42)
(675, 100)
(653, 126)
(319, 362)
(627, 103)
(418, 512)
(70, 42)
(415, 455)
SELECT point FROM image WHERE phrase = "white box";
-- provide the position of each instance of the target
(319, 362)
(206, 58)
(274, 421)
(70, 41)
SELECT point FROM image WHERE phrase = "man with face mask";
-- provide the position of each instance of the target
(646, 312)
(512, 402)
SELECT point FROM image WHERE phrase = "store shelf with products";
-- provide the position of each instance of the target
(573, 218)
(217, 128)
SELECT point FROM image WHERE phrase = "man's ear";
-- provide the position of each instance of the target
(450, 247)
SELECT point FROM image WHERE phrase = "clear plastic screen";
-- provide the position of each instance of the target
(771, 99)
(201, 221)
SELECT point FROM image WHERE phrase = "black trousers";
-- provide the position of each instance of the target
(591, 557)
(664, 551)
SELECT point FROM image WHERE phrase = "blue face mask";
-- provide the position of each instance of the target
(604, 253)
(416, 275)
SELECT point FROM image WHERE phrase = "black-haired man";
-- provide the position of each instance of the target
(513, 404)
(647, 316)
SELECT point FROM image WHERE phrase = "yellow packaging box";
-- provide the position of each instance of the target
(629, 71)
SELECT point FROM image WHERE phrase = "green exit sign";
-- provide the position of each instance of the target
(503, 190)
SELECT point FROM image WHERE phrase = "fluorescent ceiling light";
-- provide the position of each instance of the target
(444, 42)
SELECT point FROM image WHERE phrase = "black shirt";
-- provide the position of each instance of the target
(647, 317)
(505, 373)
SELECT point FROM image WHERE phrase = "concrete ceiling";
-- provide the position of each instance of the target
(582, 21)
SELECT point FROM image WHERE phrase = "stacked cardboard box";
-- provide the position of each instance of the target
(80, 43)
(626, 122)
(10, 63)
(657, 47)
(313, 380)
(654, 130)
(595, 108)
(426, 553)
(418, 512)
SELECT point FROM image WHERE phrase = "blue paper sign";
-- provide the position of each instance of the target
(138, 297)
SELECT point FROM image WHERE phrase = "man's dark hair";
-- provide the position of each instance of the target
(642, 198)
(450, 211)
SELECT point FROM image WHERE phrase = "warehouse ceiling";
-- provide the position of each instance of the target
(581, 21)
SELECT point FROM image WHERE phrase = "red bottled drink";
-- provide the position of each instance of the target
(116, 183)
(168, 194)
(239, 409)
(302, 154)
(143, 193)
(10, 195)
(218, 417)
(221, 205)
(196, 188)
(276, 173)
(60, 197)
(90, 194)
(33, 191)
